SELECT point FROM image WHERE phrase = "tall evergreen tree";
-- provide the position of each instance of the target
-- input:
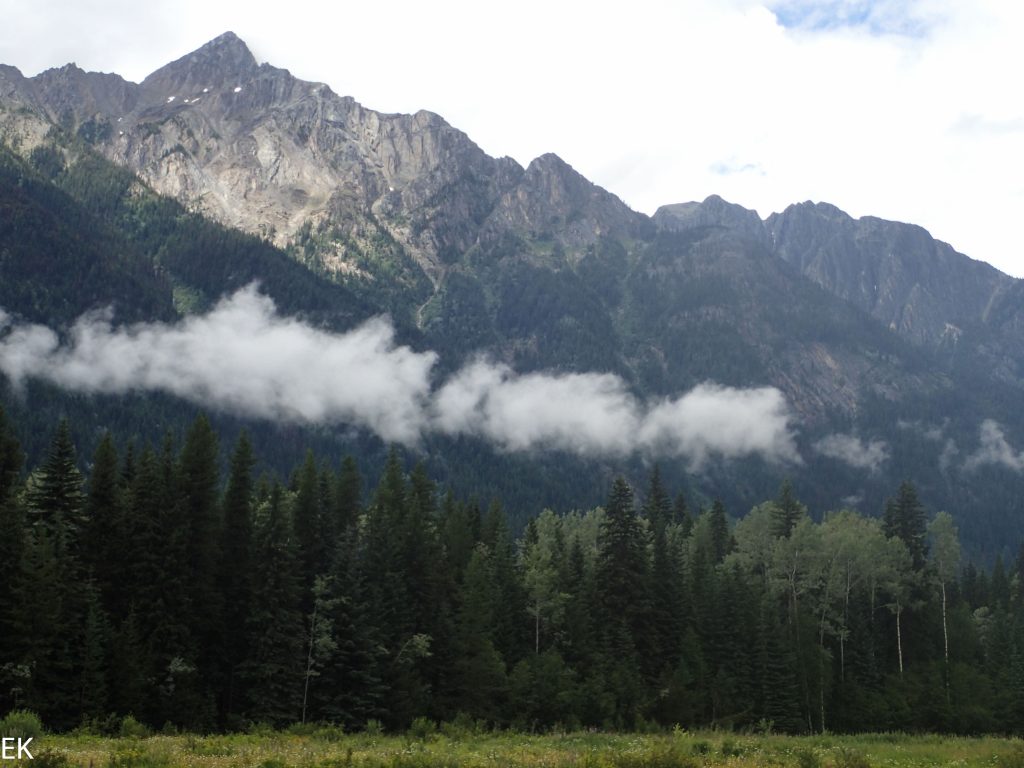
(906, 520)
(56, 501)
(273, 670)
(12, 550)
(102, 541)
(235, 566)
(788, 511)
(721, 539)
(308, 513)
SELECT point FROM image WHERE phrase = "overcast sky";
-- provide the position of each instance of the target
(906, 110)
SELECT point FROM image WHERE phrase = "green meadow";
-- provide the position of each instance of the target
(328, 748)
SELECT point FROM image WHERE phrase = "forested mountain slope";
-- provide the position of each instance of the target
(896, 356)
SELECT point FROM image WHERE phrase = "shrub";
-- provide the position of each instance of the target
(422, 729)
(807, 758)
(132, 728)
(851, 758)
(21, 723)
(50, 758)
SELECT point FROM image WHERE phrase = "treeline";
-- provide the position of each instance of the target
(154, 587)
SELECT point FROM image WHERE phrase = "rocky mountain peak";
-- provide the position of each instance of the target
(224, 61)
(712, 212)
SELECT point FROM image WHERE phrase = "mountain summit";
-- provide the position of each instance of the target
(225, 61)
(890, 348)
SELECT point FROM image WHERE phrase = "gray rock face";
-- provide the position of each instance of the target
(916, 285)
(260, 150)
(713, 212)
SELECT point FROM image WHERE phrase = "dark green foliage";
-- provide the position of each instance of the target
(788, 510)
(235, 563)
(420, 609)
(273, 668)
(905, 519)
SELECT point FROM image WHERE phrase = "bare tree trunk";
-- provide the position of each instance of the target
(846, 624)
(821, 668)
(309, 661)
(945, 641)
(536, 630)
(899, 637)
(945, 633)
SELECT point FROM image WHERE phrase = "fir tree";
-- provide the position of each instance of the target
(273, 670)
(787, 512)
(906, 520)
(103, 542)
(235, 565)
(56, 501)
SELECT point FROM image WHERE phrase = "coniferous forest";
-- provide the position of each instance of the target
(142, 580)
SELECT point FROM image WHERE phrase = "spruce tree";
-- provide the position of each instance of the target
(308, 512)
(235, 565)
(198, 485)
(787, 512)
(721, 538)
(624, 607)
(348, 496)
(273, 670)
(103, 540)
(480, 673)
(905, 518)
(12, 550)
(56, 501)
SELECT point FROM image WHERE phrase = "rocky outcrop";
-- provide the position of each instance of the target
(712, 212)
(916, 285)
(260, 150)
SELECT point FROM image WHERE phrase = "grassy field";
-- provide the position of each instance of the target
(330, 749)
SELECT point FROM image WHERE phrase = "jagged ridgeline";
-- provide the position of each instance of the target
(896, 356)
(155, 591)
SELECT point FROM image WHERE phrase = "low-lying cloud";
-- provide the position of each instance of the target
(244, 358)
(241, 357)
(994, 449)
(594, 414)
(851, 450)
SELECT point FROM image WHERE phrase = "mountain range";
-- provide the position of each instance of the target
(897, 357)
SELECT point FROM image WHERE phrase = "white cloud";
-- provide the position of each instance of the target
(241, 357)
(584, 413)
(245, 358)
(994, 448)
(713, 420)
(594, 415)
(865, 110)
(851, 450)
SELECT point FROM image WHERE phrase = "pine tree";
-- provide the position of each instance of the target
(56, 501)
(308, 513)
(103, 543)
(93, 687)
(57, 505)
(235, 566)
(12, 551)
(198, 484)
(665, 580)
(273, 670)
(905, 519)
(481, 681)
(788, 511)
(348, 496)
(511, 621)
(681, 515)
(624, 609)
(351, 690)
(721, 539)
